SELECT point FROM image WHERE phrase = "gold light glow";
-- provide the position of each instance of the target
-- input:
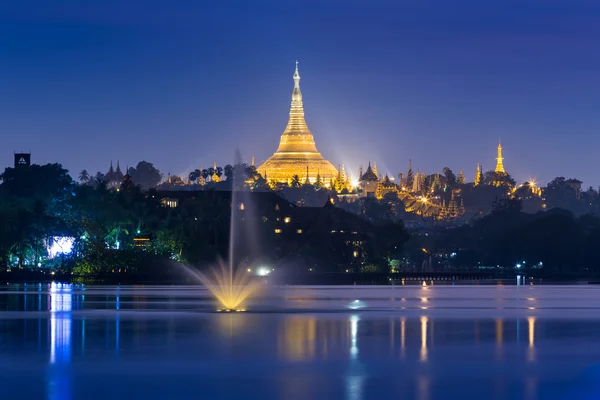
(531, 331)
(297, 153)
(423, 352)
(403, 336)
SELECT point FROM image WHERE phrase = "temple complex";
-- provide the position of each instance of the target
(297, 153)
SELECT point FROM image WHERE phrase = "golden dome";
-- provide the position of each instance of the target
(297, 149)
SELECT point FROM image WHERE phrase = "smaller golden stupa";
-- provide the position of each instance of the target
(297, 153)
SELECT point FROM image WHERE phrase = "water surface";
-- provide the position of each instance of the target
(407, 342)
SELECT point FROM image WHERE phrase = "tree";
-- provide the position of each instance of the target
(450, 177)
(507, 205)
(50, 182)
(295, 183)
(409, 178)
(205, 174)
(228, 170)
(498, 179)
(98, 179)
(318, 185)
(145, 175)
(211, 172)
(195, 175)
(84, 176)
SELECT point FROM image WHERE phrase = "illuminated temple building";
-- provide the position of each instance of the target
(297, 153)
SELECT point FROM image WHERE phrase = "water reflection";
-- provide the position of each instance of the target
(60, 301)
(232, 324)
(297, 339)
(60, 323)
(531, 331)
(403, 337)
(423, 352)
(353, 334)
(499, 337)
(69, 347)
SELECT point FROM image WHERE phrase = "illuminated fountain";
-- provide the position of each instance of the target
(230, 285)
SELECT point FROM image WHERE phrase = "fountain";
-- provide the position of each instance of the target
(231, 286)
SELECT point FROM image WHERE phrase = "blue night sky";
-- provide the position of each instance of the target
(182, 83)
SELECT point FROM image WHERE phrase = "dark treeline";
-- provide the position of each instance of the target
(554, 242)
(147, 229)
(132, 230)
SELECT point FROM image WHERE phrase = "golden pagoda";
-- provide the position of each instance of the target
(500, 161)
(297, 150)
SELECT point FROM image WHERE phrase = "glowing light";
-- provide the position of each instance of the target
(263, 271)
(287, 220)
(403, 335)
(231, 288)
(58, 245)
(531, 331)
(356, 304)
(423, 353)
(353, 335)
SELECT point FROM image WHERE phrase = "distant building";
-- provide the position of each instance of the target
(369, 181)
(575, 184)
(22, 159)
(114, 177)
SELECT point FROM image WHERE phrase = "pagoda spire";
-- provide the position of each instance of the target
(478, 175)
(461, 178)
(252, 161)
(297, 145)
(307, 181)
(499, 161)
(375, 170)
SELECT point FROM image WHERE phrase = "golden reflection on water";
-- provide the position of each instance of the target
(499, 337)
(232, 324)
(531, 331)
(297, 338)
(423, 352)
(403, 337)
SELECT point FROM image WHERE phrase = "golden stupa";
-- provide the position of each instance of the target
(297, 153)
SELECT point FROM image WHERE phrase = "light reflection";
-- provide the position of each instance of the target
(499, 337)
(392, 335)
(354, 385)
(423, 387)
(353, 334)
(298, 339)
(423, 353)
(403, 337)
(531, 330)
(60, 323)
(60, 303)
(231, 324)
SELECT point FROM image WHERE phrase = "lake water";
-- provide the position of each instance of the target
(405, 342)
